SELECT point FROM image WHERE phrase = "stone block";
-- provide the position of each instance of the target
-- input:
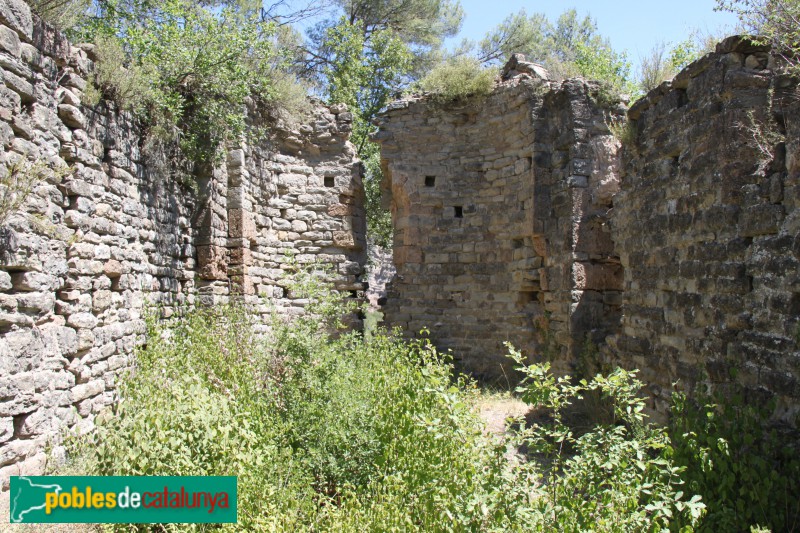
(114, 269)
(33, 281)
(6, 428)
(82, 321)
(5, 281)
(72, 116)
(16, 450)
(87, 390)
(339, 210)
(344, 239)
(241, 256)
(17, 15)
(241, 224)
(212, 262)
(20, 86)
(762, 219)
(9, 41)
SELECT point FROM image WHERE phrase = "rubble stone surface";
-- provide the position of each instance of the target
(89, 251)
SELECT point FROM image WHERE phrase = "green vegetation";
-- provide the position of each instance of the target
(623, 130)
(364, 55)
(459, 79)
(662, 64)
(617, 476)
(746, 475)
(187, 69)
(333, 432)
(570, 47)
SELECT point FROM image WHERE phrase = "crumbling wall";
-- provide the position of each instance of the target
(680, 259)
(498, 207)
(707, 227)
(88, 251)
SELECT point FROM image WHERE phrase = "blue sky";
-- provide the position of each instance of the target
(632, 26)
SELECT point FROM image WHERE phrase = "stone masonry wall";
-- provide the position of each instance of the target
(87, 252)
(708, 230)
(515, 216)
(499, 208)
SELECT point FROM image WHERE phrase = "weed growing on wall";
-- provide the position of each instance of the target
(623, 130)
(189, 70)
(762, 134)
(18, 179)
(459, 79)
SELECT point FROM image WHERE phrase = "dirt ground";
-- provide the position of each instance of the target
(495, 409)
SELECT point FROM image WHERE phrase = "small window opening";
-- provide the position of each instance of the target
(517, 243)
(528, 297)
(330, 181)
(430, 181)
(459, 211)
(353, 294)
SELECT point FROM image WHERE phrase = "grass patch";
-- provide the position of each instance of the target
(458, 80)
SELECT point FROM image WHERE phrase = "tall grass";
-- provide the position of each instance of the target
(329, 431)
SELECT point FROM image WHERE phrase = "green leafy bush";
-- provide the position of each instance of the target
(458, 79)
(748, 476)
(188, 69)
(617, 476)
(329, 431)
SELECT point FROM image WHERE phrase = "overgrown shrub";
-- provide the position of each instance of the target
(62, 14)
(746, 474)
(329, 431)
(188, 69)
(655, 68)
(458, 79)
(617, 476)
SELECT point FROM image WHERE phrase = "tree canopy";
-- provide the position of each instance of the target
(569, 47)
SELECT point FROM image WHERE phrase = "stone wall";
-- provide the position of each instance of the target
(88, 251)
(499, 207)
(678, 255)
(708, 229)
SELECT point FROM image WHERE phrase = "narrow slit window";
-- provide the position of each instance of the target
(430, 181)
(330, 181)
(458, 211)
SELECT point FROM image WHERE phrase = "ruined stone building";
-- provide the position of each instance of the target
(664, 237)
(521, 217)
(90, 250)
(500, 210)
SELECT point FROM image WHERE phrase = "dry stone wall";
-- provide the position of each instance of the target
(707, 225)
(88, 251)
(517, 218)
(499, 208)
